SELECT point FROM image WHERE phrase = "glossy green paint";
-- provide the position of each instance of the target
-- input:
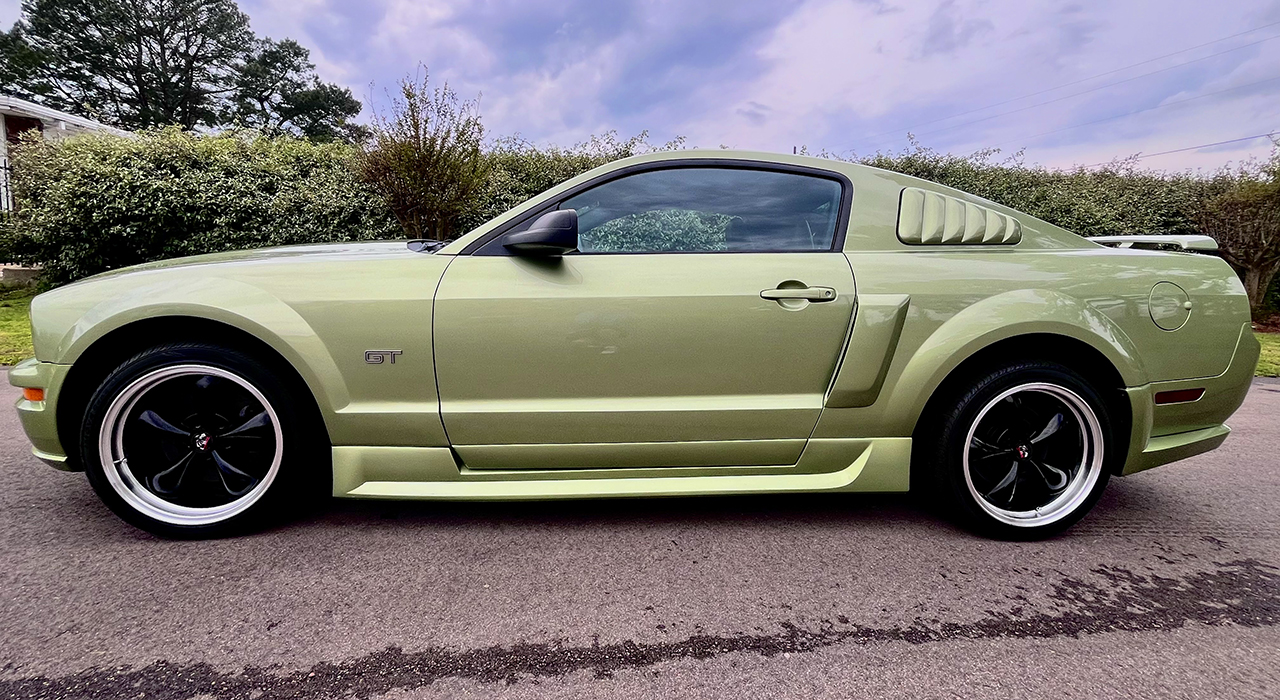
(670, 374)
(1166, 433)
(878, 327)
(827, 465)
(37, 417)
(320, 307)
(620, 349)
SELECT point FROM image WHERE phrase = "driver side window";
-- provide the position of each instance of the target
(708, 209)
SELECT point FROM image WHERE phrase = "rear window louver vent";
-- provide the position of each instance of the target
(929, 218)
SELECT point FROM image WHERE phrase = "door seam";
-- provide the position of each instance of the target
(435, 361)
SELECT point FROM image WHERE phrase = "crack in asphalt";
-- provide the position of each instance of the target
(1244, 592)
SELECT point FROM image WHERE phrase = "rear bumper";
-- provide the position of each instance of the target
(39, 418)
(1167, 433)
(1171, 448)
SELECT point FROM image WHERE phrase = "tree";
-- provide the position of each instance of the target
(134, 63)
(146, 63)
(277, 92)
(425, 158)
(1245, 221)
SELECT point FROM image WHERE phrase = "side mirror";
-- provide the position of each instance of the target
(554, 233)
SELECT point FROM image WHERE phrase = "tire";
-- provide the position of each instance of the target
(1022, 453)
(194, 440)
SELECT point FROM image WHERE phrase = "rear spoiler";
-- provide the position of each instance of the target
(1202, 244)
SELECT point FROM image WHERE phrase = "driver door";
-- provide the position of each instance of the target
(699, 324)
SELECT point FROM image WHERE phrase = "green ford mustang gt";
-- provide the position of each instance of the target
(671, 324)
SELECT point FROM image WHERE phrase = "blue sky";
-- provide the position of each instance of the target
(841, 75)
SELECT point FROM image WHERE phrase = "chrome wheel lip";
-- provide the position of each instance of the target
(116, 467)
(1082, 482)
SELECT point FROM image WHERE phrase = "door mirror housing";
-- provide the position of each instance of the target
(552, 234)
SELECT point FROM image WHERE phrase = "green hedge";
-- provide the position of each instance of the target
(97, 203)
(519, 170)
(1111, 200)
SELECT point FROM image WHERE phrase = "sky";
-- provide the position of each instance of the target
(1065, 82)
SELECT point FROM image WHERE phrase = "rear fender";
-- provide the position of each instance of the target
(1001, 317)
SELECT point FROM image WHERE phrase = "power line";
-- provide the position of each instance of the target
(1140, 111)
(1095, 89)
(1082, 80)
(1188, 148)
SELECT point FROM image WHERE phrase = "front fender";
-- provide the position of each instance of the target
(257, 312)
(1000, 317)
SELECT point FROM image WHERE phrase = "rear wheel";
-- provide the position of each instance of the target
(193, 441)
(1023, 452)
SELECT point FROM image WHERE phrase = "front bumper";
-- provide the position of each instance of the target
(39, 418)
(1170, 432)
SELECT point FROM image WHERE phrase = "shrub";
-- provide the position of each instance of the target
(1272, 302)
(96, 203)
(519, 170)
(1115, 199)
(664, 230)
(426, 159)
(1245, 220)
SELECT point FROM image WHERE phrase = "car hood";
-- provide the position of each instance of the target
(278, 254)
(284, 284)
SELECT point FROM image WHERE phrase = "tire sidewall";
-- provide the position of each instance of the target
(951, 442)
(271, 505)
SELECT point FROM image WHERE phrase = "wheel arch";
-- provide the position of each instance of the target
(1066, 350)
(1019, 325)
(99, 357)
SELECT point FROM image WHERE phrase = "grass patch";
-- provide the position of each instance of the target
(1269, 363)
(15, 325)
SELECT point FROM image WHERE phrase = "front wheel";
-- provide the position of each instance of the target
(1023, 452)
(192, 441)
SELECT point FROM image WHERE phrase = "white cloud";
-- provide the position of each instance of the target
(828, 74)
(280, 19)
(841, 73)
(425, 32)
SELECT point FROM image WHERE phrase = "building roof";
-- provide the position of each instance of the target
(24, 108)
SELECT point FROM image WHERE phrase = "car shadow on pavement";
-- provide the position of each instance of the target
(1129, 504)
(870, 509)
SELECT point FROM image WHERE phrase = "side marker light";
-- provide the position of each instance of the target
(1179, 396)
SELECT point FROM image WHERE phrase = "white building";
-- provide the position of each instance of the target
(17, 116)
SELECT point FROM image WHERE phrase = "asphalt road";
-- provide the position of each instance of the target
(1169, 589)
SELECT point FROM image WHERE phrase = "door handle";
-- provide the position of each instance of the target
(814, 294)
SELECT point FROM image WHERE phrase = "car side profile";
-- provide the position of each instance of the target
(697, 322)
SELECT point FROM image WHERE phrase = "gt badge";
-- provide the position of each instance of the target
(377, 357)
